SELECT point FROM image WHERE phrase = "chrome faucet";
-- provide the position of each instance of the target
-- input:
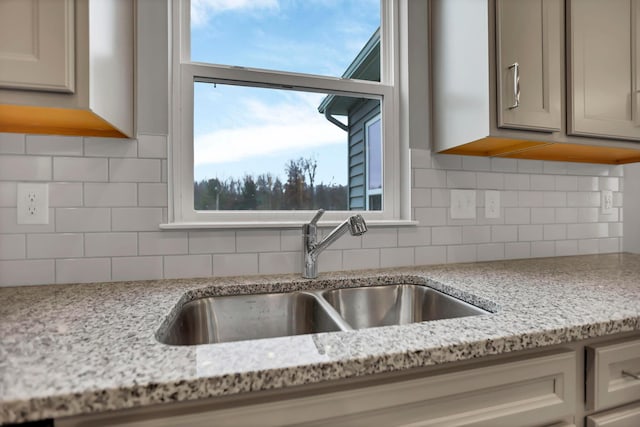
(312, 248)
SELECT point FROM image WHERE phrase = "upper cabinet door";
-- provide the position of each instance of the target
(37, 45)
(603, 61)
(529, 57)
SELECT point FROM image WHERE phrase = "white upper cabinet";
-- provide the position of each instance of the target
(37, 45)
(67, 67)
(603, 64)
(529, 36)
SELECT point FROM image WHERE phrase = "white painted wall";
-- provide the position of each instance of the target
(632, 208)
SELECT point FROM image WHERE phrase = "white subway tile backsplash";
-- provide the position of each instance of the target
(110, 194)
(428, 255)
(258, 240)
(588, 183)
(504, 165)
(9, 223)
(528, 233)
(12, 246)
(491, 251)
(212, 242)
(543, 249)
(588, 246)
(82, 219)
(110, 147)
(587, 231)
(430, 178)
(543, 215)
(491, 181)
(380, 238)
(54, 145)
(12, 143)
(530, 199)
(110, 244)
(463, 253)
(420, 159)
(615, 229)
(432, 216)
(27, 272)
(396, 257)
(517, 182)
(504, 233)
(179, 266)
(608, 183)
(235, 264)
(543, 182)
(566, 215)
(421, 197)
(84, 169)
(414, 236)
(136, 219)
(136, 268)
(566, 247)
(556, 168)
(83, 270)
(8, 194)
(163, 243)
(458, 179)
(476, 163)
(554, 199)
(446, 161)
(290, 240)
(152, 195)
(567, 183)
(58, 245)
(587, 214)
(329, 261)
(476, 234)
(65, 194)
(440, 198)
(134, 170)
(517, 215)
(530, 166)
(25, 168)
(152, 146)
(517, 250)
(446, 235)
(609, 245)
(554, 232)
(583, 199)
(279, 262)
(359, 259)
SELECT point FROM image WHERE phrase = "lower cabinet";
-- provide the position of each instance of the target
(531, 391)
(626, 416)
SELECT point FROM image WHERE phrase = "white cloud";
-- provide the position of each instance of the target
(275, 129)
(203, 10)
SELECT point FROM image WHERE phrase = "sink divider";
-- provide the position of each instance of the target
(328, 308)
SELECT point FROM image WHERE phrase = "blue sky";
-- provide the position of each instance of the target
(249, 130)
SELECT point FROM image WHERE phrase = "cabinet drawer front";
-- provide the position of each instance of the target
(523, 392)
(627, 416)
(607, 385)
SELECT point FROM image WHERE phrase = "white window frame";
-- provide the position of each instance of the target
(396, 170)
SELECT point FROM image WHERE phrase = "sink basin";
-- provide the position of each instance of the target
(245, 317)
(396, 305)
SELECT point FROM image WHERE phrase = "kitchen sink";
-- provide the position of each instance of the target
(396, 305)
(245, 317)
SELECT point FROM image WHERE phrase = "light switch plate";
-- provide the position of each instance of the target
(491, 204)
(33, 203)
(463, 204)
(606, 203)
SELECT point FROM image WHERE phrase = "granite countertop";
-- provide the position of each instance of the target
(78, 349)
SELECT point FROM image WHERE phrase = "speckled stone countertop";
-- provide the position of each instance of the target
(77, 349)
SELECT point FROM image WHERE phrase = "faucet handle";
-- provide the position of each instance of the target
(317, 216)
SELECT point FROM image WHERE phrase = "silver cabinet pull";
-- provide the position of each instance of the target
(630, 374)
(516, 85)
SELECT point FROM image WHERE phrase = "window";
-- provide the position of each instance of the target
(261, 139)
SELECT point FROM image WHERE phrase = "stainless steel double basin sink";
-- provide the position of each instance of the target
(244, 317)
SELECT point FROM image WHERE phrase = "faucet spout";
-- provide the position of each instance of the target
(356, 226)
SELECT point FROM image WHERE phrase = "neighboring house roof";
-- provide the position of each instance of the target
(365, 66)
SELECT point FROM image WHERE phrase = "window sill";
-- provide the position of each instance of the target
(278, 224)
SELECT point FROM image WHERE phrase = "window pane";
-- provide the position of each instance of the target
(374, 154)
(274, 149)
(336, 38)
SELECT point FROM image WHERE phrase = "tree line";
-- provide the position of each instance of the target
(266, 192)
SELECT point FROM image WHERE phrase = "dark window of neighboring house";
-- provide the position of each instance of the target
(373, 136)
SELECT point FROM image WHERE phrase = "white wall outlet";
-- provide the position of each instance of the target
(463, 204)
(33, 203)
(606, 203)
(491, 204)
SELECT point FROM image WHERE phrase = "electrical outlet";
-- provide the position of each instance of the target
(463, 204)
(606, 204)
(491, 204)
(33, 204)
